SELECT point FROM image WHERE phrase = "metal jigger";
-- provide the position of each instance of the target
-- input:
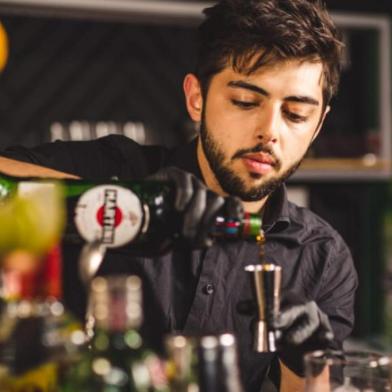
(267, 282)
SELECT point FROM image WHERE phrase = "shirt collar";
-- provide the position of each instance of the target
(276, 210)
(276, 215)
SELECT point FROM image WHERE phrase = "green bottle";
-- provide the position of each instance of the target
(136, 213)
(117, 359)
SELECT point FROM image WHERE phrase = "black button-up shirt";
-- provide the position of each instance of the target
(198, 291)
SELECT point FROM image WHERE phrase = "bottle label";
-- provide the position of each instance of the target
(109, 213)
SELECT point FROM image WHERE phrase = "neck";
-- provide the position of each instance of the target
(213, 184)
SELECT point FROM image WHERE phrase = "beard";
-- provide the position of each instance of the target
(232, 183)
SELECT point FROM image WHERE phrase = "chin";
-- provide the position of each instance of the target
(255, 176)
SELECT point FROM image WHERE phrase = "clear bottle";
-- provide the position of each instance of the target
(182, 363)
(203, 364)
(117, 359)
(136, 213)
(230, 372)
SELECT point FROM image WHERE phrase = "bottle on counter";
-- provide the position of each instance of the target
(203, 364)
(218, 364)
(137, 213)
(117, 358)
(181, 366)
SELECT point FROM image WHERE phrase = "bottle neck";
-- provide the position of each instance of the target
(249, 227)
(11, 185)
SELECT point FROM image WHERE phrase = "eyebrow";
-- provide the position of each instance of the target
(292, 98)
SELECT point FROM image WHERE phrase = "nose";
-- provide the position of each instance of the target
(268, 125)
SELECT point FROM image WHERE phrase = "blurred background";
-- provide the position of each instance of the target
(81, 69)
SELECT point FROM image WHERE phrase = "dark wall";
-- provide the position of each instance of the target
(64, 70)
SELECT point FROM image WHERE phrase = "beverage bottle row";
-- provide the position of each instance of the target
(140, 213)
(45, 351)
(203, 364)
(119, 360)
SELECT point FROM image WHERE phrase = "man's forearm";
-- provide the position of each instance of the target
(290, 382)
(24, 169)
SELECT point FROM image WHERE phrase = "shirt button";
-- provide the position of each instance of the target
(209, 289)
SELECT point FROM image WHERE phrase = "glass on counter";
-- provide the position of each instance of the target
(338, 371)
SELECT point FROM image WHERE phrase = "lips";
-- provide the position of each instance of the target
(261, 158)
(259, 163)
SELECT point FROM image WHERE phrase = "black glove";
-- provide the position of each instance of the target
(300, 328)
(301, 324)
(197, 204)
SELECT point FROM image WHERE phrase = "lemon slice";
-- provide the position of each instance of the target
(33, 220)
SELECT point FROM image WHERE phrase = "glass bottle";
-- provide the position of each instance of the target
(230, 376)
(203, 364)
(140, 213)
(181, 365)
(118, 359)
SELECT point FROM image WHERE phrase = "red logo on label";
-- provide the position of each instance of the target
(109, 216)
(118, 216)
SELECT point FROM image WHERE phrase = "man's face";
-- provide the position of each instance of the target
(256, 129)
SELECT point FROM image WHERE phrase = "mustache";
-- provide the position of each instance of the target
(256, 149)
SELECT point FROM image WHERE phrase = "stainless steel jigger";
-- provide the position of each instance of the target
(267, 281)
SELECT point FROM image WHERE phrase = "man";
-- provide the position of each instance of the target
(266, 72)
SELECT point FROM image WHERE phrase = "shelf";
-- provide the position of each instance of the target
(136, 10)
(367, 168)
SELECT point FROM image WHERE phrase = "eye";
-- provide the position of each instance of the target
(294, 117)
(244, 104)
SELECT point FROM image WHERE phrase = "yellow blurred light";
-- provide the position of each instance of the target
(3, 47)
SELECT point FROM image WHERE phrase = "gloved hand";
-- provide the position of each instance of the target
(303, 323)
(197, 204)
(300, 328)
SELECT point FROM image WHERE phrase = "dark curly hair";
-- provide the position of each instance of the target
(247, 34)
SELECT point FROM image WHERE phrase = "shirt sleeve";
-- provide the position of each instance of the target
(337, 290)
(104, 158)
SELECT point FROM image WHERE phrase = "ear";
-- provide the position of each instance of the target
(321, 122)
(193, 97)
